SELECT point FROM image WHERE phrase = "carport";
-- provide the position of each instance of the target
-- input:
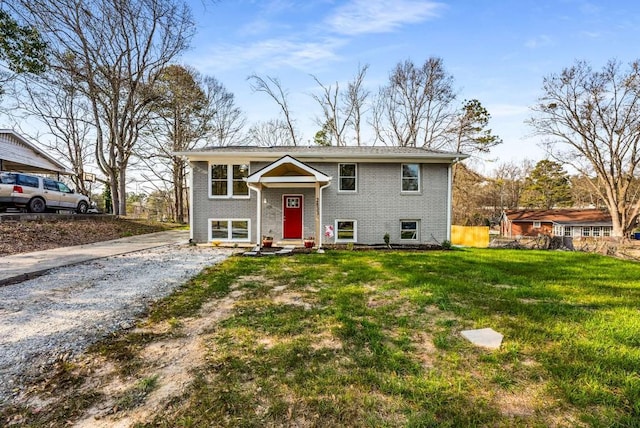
(19, 155)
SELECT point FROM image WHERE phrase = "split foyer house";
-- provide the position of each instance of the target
(575, 223)
(334, 194)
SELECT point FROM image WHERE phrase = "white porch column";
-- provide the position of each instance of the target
(258, 189)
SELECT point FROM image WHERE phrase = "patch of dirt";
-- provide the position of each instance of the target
(172, 361)
(36, 235)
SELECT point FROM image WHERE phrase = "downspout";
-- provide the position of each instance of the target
(258, 215)
(320, 238)
(450, 197)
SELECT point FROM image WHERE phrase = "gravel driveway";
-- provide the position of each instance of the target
(57, 315)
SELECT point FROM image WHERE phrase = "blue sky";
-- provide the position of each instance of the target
(498, 51)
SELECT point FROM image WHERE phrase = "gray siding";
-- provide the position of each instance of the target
(377, 206)
(205, 208)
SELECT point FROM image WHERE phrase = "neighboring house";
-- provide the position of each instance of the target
(17, 154)
(561, 222)
(334, 194)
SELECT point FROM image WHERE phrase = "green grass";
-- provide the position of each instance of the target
(372, 339)
(378, 344)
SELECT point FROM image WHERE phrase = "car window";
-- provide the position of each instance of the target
(27, 180)
(50, 184)
(8, 179)
(63, 188)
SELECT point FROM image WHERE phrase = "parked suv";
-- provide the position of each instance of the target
(39, 194)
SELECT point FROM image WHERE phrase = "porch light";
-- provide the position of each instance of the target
(244, 168)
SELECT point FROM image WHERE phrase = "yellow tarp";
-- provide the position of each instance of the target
(470, 236)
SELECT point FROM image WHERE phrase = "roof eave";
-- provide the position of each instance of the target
(311, 156)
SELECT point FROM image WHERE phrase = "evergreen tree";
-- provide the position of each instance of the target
(547, 186)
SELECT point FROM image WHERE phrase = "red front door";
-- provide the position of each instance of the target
(292, 217)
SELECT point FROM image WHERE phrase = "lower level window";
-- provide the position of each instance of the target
(606, 231)
(346, 231)
(229, 229)
(409, 230)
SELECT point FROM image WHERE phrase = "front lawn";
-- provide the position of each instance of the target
(372, 339)
(367, 339)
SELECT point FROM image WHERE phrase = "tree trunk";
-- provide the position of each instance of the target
(122, 192)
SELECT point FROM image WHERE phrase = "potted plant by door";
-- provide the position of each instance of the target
(267, 241)
(309, 242)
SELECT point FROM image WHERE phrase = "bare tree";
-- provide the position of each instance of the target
(582, 193)
(271, 133)
(356, 98)
(505, 186)
(594, 117)
(467, 204)
(181, 116)
(63, 110)
(341, 109)
(113, 50)
(415, 107)
(227, 120)
(272, 87)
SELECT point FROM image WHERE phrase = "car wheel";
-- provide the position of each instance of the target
(82, 207)
(37, 205)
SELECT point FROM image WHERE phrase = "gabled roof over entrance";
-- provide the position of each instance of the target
(288, 171)
(18, 154)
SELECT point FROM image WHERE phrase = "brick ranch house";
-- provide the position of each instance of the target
(333, 194)
(575, 223)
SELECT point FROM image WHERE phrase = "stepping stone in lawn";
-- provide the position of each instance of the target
(485, 337)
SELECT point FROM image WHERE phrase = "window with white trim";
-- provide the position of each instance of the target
(227, 181)
(537, 225)
(595, 231)
(409, 230)
(567, 231)
(586, 231)
(410, 177)
(606, 230)
(348, 173)
(236, 230)
(346, 231)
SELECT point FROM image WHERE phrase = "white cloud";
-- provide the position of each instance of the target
(539, 41)
(270, 54)
(380, 16)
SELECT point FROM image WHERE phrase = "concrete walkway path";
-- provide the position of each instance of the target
(20, 267)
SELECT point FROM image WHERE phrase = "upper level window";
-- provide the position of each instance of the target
(537, 225)
(227, 181)
(348, 177)
(410, 177)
